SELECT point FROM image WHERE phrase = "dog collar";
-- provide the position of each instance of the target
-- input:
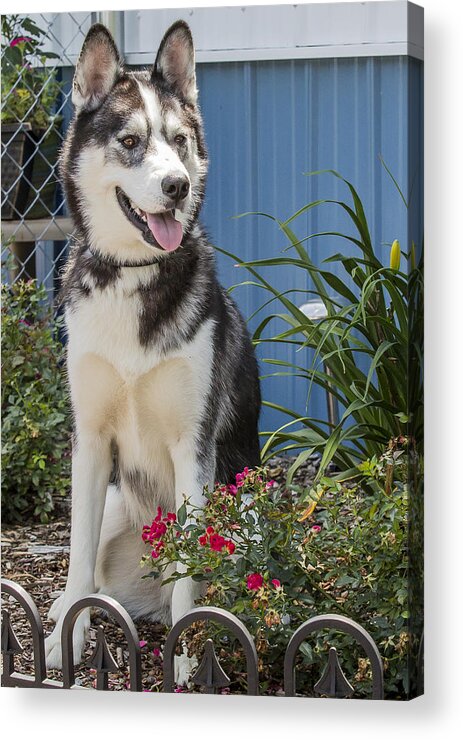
(112, 262)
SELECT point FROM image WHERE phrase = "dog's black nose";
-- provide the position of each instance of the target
(176, 187)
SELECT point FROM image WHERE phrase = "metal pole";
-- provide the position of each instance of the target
(114, 22)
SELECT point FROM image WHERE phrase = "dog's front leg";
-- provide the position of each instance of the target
(91, 468)
(191, 475)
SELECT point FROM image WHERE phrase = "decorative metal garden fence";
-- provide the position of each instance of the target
(209, 675)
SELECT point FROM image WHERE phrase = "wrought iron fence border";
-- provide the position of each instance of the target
(209, 675)
(341, 624)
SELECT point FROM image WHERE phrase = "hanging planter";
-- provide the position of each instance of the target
(28, 171)
(17, 161)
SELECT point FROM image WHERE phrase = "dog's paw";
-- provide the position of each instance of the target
(56, 608)
(53, 649)
(53, 654)
(184, 667)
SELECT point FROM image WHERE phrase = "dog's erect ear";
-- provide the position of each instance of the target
(98, 67)
(175, 62)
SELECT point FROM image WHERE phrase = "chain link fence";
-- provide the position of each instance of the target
(38, 55)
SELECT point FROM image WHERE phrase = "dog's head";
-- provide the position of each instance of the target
(134, 162)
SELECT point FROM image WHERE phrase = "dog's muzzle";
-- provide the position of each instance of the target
(160, 229)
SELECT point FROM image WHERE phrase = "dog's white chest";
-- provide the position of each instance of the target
(106, 323)
(136, 394)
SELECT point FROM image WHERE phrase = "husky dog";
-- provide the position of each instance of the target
(161, 368)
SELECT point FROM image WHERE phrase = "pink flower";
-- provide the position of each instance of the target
(276, 582)
(270, 484)
(171, 517)
(142, 643)
(241, 478)
(316, 528)
(244, 474)
(154, 554)
(232, 489)
(217, 542)
(146, 534)
(19, 40)
(254, 581)
(156, 652)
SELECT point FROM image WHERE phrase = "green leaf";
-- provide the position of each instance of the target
(345, 581)
(306, 651)
(153, 574)
(182, 514)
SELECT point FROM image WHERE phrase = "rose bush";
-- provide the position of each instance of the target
(275, 556)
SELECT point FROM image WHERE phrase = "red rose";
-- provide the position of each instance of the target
(203, 539)
(276, 582)
(161, 529)
(230, 547)
(217, 542)
(254, 581)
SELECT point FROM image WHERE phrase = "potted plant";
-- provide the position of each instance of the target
(30, 136)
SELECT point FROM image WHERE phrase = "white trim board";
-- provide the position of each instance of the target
(257, 32)
(322, 30)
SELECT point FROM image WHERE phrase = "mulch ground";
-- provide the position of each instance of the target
(36, 556)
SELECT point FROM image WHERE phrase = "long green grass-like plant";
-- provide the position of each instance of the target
(361, 349)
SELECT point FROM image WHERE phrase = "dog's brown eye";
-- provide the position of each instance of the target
(180, 139)
(129, 142)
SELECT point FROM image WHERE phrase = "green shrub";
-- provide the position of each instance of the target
(367, 352)
(35, 410)
(30, 89)
(275, 557)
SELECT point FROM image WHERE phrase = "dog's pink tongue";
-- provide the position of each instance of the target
(166, 230)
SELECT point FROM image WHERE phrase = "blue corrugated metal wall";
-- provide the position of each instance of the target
(269, 122)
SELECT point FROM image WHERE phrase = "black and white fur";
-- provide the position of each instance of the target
(162, 373)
